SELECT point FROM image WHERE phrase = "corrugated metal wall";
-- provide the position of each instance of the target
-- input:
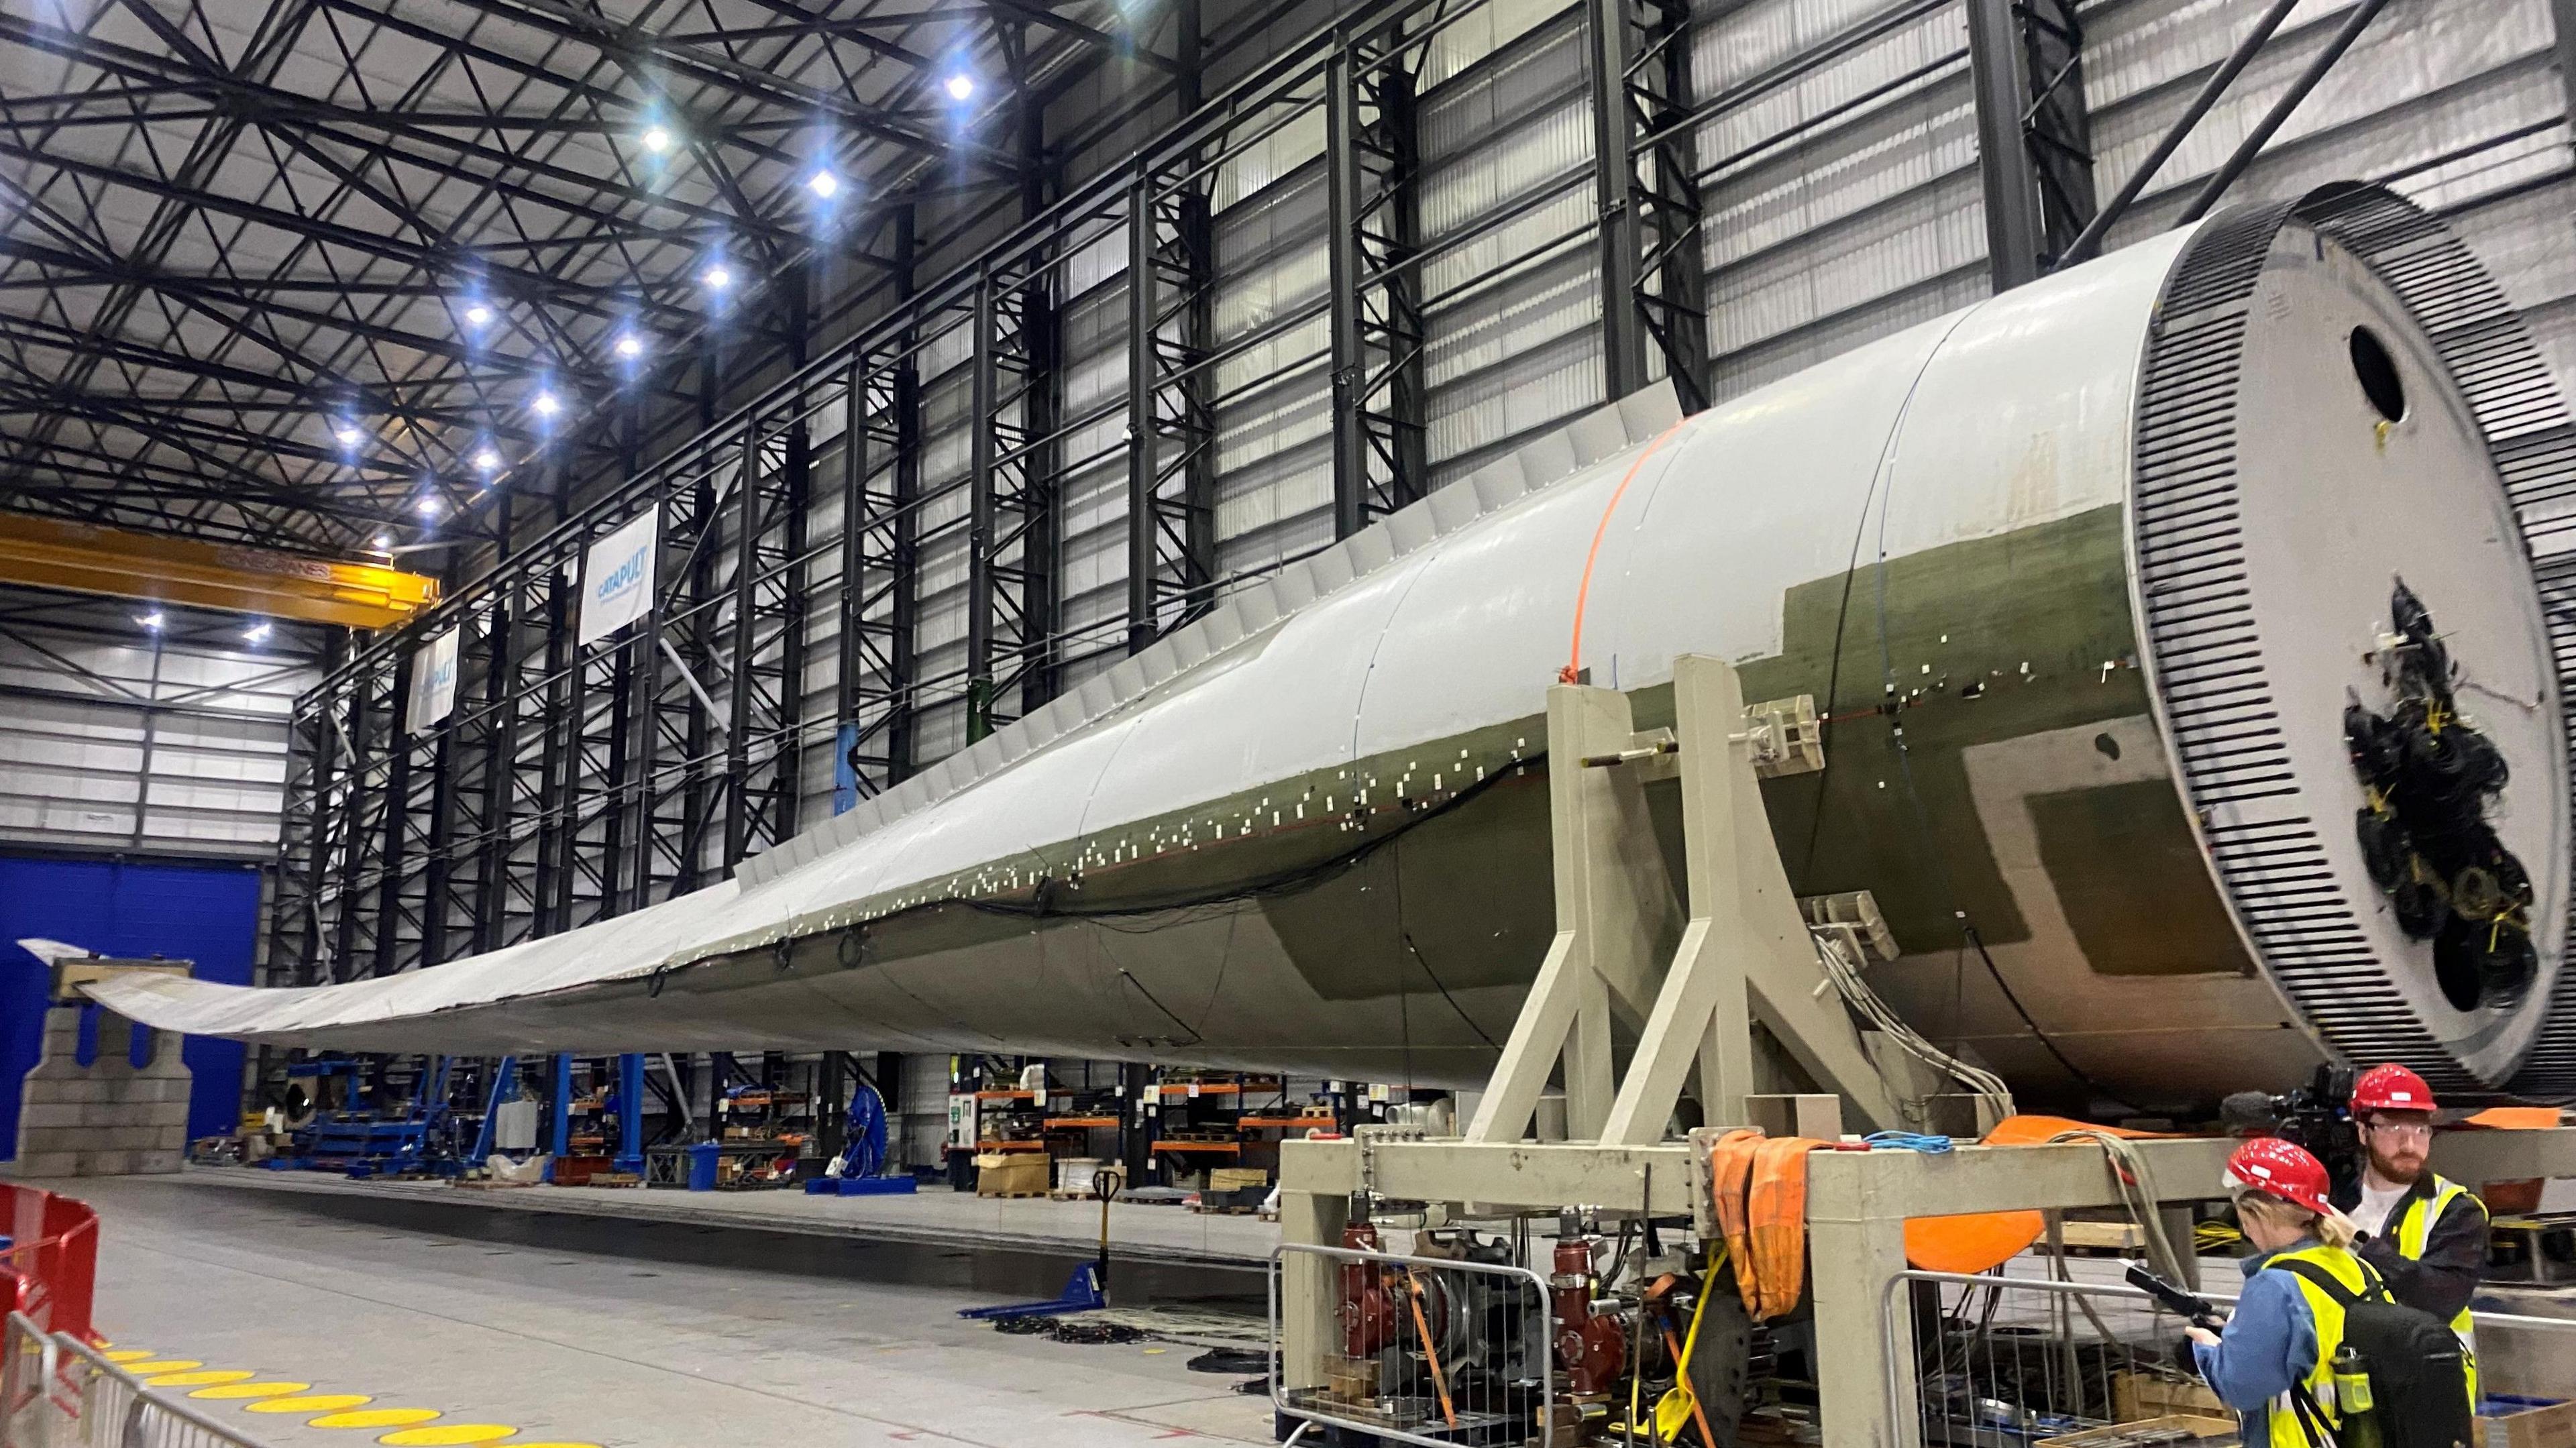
(1843, 199)
(2457, 104)
(1274, 413)
(115, 738)
(1513, 315)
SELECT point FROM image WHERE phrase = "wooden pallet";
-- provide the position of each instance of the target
(614, 1179)
(1014, 1196)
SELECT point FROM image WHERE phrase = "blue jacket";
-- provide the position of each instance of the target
(2270, 1343)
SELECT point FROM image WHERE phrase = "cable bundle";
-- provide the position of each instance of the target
(1837, 953)
(2428, 777)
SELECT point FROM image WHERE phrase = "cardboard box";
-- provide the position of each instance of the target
(2144, 1395)
(1012, 1174)
(2539, 1425)
(1352, 1380)
(2202, 1430)
(1235, 1178)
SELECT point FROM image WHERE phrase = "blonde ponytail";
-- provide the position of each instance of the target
(2330, 1226)
(2337, 1230)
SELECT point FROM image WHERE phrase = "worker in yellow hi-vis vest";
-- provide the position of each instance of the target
(2426, 1235)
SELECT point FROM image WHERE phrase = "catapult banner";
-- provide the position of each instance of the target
(617, 577)
(433, 683)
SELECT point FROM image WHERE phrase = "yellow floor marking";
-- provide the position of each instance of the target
(554, 1445)
(374, 1418)
(128, 1355)
(165, 1365)
(319, 1403)
(200, 1378)
(450, 1433)
(250, 1390)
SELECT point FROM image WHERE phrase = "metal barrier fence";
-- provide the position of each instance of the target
(57, 1391)
(2003, 1361)
(48, 1257)
(1431, 1350)
(2006, 1360)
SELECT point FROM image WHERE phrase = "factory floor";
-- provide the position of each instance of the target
(574, 1330)
(932, 1215)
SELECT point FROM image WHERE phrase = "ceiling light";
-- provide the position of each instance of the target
(349, 435)
(657, 140)
(546, 405)
(630, 346)
(961, 86)
(823, 184)
(488, 460)
(717, 277)
(256, 632)
(477, 315)
(429, 507)
(152, 620)
(384, 542)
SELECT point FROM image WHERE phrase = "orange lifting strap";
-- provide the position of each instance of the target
(1761, 1200)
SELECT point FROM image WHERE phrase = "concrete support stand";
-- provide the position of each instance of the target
(109, 1118)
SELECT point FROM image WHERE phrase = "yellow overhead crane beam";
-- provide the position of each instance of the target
(86, 558)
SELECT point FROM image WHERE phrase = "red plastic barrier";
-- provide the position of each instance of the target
(51, 1267)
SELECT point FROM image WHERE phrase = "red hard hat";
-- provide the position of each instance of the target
(2276, 1168)
(2390, 1088)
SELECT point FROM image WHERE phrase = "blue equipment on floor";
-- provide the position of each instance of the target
(1088, 1288)
(1083, 1292)
(860, 1171)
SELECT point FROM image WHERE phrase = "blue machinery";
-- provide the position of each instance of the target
(361, 1142)
(862, 1164)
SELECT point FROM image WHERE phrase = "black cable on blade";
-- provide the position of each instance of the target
(2041, 1036)
(1444, 993)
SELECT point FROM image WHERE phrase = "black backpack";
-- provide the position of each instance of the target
(2419, 1375)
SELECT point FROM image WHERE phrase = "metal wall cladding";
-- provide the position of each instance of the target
(1092, 496)
(1274, 397)
(85, 764)
(2457, 106)
(1840, 204)
(1512, 309)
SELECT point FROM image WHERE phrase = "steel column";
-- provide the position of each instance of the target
(1373, 160)
(2034, 146)
(1620, 239)
(2563, 14)
(396, 794)
(1646, 160)
(630, 1115)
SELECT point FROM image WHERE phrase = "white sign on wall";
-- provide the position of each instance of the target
(617, 577)
(433, 682)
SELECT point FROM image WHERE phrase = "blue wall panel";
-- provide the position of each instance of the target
(208, 914)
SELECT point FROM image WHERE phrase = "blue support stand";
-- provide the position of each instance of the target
(505, 1087)
(559, 1106)
(630, 1114)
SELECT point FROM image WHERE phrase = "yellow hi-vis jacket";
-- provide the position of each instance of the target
(2285, 1429)
(2411, 1230)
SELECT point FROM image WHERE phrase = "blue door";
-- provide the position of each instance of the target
(205, 913)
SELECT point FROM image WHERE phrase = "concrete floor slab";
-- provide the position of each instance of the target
(635, 1334)
(932, 1215)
